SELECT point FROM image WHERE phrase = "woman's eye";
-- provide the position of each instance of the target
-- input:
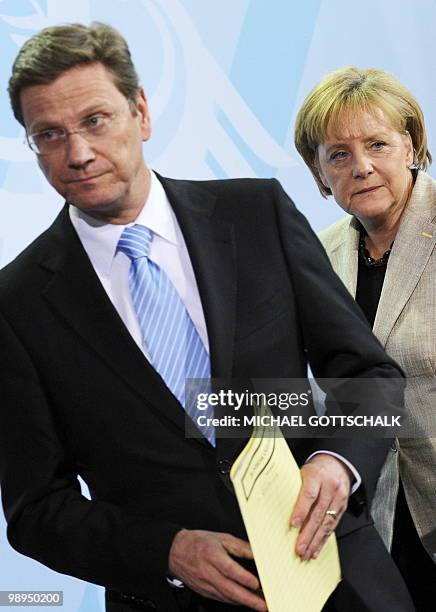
(378, 145)
(338, 155)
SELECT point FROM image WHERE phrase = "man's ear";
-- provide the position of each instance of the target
(144, 115)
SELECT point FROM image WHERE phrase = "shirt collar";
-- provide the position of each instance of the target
(100, 239)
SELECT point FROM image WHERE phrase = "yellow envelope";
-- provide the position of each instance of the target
(267, 481)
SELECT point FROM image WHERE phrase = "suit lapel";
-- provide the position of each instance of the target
(212, 250)
(412, 248)
(211, 245)
(77, 296)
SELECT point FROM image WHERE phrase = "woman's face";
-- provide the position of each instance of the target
(366, 165)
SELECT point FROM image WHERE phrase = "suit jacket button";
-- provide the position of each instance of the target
(224, 466)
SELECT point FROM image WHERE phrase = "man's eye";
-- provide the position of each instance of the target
(378, 145)
(95, 122)
(48, 136)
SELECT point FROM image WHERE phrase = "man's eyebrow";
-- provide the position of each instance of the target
(95, 107)
(40, 126)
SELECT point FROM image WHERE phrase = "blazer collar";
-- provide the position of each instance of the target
(412, 249)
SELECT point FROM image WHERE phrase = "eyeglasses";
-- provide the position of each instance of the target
(51, 140)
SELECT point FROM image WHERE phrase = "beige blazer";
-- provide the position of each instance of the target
(406, 326)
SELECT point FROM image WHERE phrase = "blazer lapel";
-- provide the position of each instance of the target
(412, 248)
(211, 245)
(344, 255)
(77, 296)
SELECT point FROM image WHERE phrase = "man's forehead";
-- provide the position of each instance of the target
(70, 94)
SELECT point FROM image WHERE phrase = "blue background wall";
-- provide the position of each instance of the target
(225, 79)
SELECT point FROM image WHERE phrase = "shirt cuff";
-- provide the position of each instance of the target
(175, 582)
(357, 478)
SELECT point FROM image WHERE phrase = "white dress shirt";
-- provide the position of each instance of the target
(168, 250)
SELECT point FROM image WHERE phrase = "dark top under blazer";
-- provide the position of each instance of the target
(78, 397)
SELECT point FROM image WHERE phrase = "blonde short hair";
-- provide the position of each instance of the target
(349, 90)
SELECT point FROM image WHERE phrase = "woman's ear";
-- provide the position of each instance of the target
(410, 151)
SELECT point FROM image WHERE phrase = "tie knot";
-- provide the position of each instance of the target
(135, 241)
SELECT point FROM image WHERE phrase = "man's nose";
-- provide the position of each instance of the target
(79, 151)
(362, 165)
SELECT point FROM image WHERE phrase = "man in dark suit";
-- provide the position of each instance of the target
(83, 394)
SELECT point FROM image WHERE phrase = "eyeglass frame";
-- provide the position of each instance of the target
(64, 134)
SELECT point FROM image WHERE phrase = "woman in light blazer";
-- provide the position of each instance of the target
(363, 137)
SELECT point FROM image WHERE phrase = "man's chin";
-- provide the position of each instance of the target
(96, 208)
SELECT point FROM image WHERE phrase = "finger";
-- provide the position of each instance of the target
(226, 590)
(244, 597)
(234, 571)
(236, 594)
(231, 569)
(339, 504)
(308, 494)
(316, 517)
(236, 546)
(312, 525)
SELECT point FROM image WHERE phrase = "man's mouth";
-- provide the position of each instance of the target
(86, 179)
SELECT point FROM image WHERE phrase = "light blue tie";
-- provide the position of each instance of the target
(174, 347)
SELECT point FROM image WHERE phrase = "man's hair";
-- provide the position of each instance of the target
(337, 98)
(56, 49)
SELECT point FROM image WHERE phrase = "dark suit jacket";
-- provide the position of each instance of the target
(79, 398)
